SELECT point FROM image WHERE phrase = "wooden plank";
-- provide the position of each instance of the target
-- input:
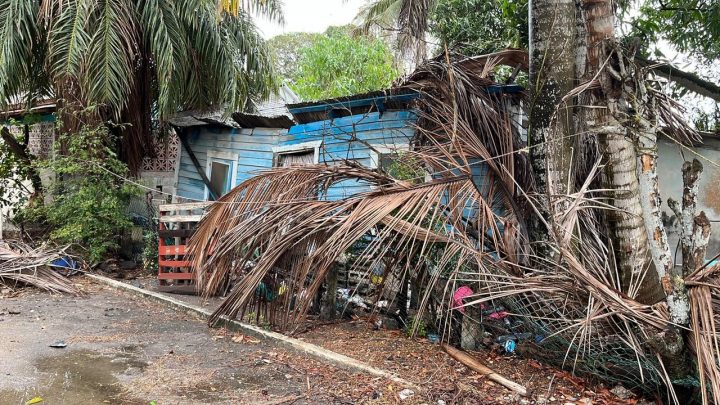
(184, 206)
(176, 276)
(172, 250)
(181, 218)
(176, 233)
(174, 263)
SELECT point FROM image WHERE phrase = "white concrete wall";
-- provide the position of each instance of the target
(670, 161)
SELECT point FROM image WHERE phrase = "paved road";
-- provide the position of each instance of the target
(123, 349)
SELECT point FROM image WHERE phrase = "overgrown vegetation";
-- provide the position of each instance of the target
(333, 64)
(477, 27)
(89, 202)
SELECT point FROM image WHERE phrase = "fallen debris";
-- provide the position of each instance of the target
(22, 264)
(475, 365)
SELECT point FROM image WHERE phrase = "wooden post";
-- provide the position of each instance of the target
(183, 140)
(328, 310)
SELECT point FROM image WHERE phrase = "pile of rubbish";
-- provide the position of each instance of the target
(42, 267)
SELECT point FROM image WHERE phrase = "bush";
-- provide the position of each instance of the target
(88, 202)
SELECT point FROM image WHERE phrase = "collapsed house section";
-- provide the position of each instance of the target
(447, 215)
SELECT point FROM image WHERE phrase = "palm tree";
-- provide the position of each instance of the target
(408, 19)
(133, 60)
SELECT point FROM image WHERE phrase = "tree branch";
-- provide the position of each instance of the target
(18, 150)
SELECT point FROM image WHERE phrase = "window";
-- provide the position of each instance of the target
(305, 153)
(305, 157)
(221, 171)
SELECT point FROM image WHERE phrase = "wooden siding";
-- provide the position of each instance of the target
(342, 138)
(253, 147)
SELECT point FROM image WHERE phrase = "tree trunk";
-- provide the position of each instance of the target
(329, 310)
(552, 76)
(20, 151)
(617, 143)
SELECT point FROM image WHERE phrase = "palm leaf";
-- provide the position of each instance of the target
(17, 39)
(68, 37)
(111, 56)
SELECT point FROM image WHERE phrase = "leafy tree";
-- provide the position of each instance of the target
(691, 26)
(89, 203)
(134, 59)
(339, 65)
(285, 51)
(477, 27)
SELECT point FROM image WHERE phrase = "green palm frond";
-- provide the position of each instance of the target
(380, 13)
(271, 9)
(111, 55)
(165, 41)
(68, 36)
(254, 76)
(19, 28)
(407, 20)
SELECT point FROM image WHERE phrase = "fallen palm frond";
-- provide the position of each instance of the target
(461, 223)
(19, 263)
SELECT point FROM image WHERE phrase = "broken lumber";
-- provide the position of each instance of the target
(475, 365)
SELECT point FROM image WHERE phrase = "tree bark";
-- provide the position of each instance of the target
(552, 76)
(21, 153)
(617, 143)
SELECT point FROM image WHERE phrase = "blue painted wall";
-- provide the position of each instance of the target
(342, 138)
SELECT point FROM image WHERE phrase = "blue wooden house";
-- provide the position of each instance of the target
(217, 155)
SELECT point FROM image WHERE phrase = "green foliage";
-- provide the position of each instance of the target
(88, 205)
(476, 27)
(285, 52)
(338, 65)
(13, 173)
(406, 167)
(150, 251)
(691, 26)
(416, 327)
(183, 54)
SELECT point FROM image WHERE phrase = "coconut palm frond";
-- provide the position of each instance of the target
(19, 28)
(112, 52)
(166, 43)
(405, 20)
(69, 37)
(281, 222)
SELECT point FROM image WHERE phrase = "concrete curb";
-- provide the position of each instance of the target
(315, 351)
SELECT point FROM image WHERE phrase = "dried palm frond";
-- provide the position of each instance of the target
(461, 223)
(22, 264)
(281, 220)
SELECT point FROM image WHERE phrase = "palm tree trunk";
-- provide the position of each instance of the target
(552, 76)
(638, 275)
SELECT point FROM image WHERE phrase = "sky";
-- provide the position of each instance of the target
(311, 16)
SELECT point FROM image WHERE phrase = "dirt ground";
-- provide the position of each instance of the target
(122, 349)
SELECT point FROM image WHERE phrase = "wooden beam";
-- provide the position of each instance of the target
(183, 139)
(475, 365)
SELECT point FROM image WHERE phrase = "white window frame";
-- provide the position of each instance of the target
(298, 147)
(385, 149)
(224, 155)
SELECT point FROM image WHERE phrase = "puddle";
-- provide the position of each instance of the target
(79, 377)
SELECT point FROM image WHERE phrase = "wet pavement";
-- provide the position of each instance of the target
(125, 350)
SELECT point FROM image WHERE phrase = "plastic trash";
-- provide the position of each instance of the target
(406, 393)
